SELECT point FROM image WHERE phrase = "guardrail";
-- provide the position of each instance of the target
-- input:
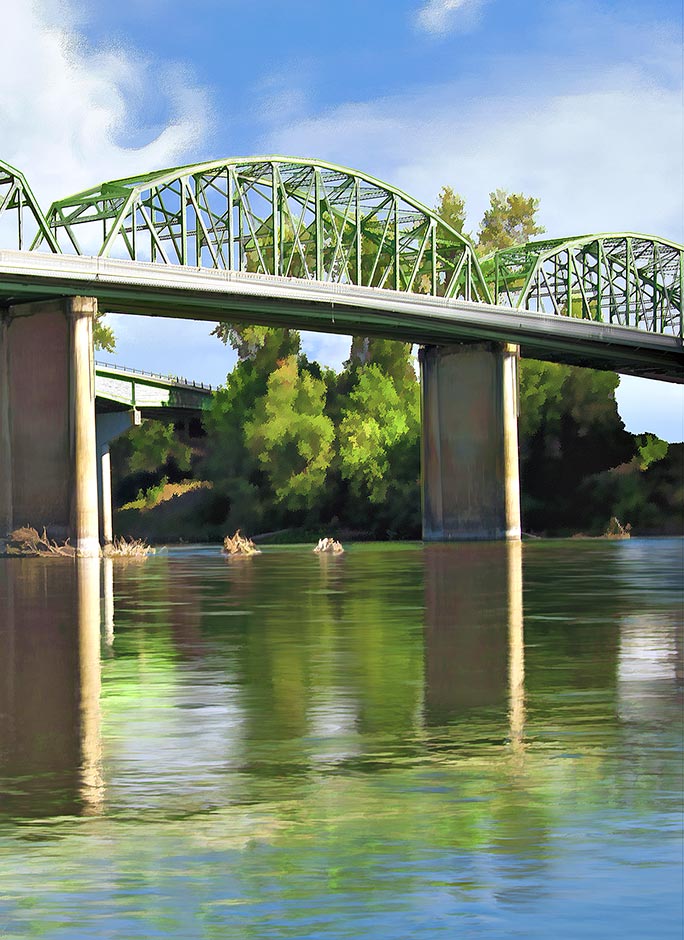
(172, 379)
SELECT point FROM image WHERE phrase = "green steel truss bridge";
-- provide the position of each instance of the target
(305, 243)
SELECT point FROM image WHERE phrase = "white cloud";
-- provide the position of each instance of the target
(605, 159)
(71, 116)
(441, 16)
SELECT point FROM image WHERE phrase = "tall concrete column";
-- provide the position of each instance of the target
(106, 496)
(84, 510)
(47, 420)
(470, 477)
(5, 440)
(109, 426)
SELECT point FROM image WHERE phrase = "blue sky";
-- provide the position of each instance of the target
(578, 103)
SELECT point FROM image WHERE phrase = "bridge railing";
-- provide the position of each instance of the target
(166, 379)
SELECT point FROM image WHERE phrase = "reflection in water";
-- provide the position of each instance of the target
(474, 632)
(108, 601)
(50, 680)
(333, 747)
(516, 646)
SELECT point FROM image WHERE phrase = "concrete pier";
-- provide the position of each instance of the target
(48, 473)
(109, 426)
(469, 448)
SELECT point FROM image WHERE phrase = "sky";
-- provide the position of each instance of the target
(578, 103)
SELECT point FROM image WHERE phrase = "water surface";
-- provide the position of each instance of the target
(405, 741)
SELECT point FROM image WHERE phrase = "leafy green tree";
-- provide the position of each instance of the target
(569, 429)
(103, 335)
(510, 220)
(291, 437)
(450, 206)
(154, 444)
(377, 422)
(650, 449)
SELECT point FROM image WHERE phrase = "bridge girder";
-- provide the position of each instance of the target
(273, 215)
(622, 278)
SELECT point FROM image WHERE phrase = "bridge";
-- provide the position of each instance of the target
(166, 397)
(123, 397)
(286, 241)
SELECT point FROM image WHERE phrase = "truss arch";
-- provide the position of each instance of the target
(273, 215)
(21, 219)
(621, 278)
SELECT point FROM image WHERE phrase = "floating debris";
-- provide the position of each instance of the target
(26, 541)
(329, 546)
(616, 530)
(125, 548)
(237, 545)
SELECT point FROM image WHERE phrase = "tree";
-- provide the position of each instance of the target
(291, 437)
(381, 418)
(450, 206)
(510, 220)
(154, 444)
(103, 336)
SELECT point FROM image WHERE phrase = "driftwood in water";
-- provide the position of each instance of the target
(616, 530)
(237, 545)
(127, 548)
(26, 541)
(329, 546)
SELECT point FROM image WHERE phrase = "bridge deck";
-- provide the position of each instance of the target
(204, 294)
(117, 388)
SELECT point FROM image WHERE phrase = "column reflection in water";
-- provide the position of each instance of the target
(474, 655)
(108, 601)
(50, 749)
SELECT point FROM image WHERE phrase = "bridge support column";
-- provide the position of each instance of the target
(109, 426)
(47, 420)
(6, 515)
(470, 477)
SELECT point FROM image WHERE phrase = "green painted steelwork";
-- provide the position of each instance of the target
(20, 212)
(273, 215)
(621, 278)
(315, 221)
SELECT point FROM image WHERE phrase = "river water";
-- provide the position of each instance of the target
(404, 741)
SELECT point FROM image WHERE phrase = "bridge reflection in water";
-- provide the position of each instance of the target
(57, 618)
(50, 742)
(474, 653)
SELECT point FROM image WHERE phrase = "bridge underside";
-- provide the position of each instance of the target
(176, 292)
(55, 449)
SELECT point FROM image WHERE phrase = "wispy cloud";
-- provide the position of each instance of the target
(576, 149)
(73, 115)
(441, 16)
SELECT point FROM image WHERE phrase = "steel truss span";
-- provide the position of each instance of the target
(273, 215)
(623, 279)
(314, 221)
(21, 219)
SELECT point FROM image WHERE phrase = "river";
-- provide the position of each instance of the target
(404, 741)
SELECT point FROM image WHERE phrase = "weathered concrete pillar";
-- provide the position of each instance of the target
(109, 426)
(47, 420)
(106, 496)
(470, 477)
(6, 515)
(84, 510)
